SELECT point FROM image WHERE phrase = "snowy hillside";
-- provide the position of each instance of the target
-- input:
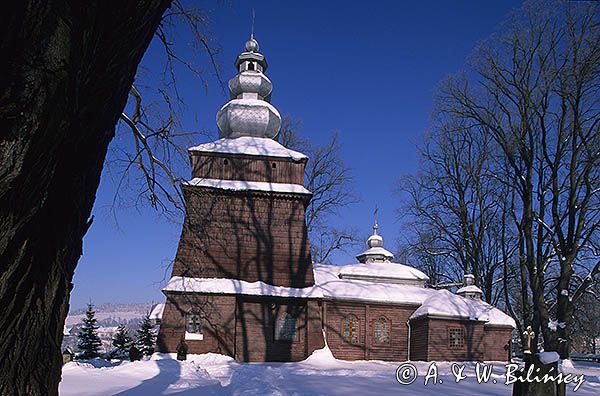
(320, 374)
(108, 317)
(111, 314)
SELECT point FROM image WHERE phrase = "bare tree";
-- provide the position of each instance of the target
(451, 206)
(329, 179)
(534, 88)
(149, 155)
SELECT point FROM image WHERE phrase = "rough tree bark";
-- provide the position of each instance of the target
(65, 71)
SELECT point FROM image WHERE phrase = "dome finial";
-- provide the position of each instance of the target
(375, 226)
(375, 240)
(252, 30)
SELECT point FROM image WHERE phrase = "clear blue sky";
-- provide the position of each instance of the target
(365, 69)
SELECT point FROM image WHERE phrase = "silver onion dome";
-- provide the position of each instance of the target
(375, 253)
(249, 112)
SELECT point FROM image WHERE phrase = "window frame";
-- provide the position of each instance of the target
(388, 324)
(196, 333)
(456, 330)
(280, 322)
(348, 319)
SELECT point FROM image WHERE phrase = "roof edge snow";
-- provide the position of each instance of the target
(243, 185)
(249, 145)
(236, 286)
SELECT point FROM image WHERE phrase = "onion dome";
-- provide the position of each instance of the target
(249, 112)
(375, 252)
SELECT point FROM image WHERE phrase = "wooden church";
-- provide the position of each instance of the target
(243, 281)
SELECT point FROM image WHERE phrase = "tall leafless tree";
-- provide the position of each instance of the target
(451, 205)
(533, 88)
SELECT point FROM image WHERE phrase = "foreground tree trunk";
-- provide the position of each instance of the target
(65, 71)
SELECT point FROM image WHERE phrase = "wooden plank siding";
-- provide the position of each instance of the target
(367, 314)
(247, 168)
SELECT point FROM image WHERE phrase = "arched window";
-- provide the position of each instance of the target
(381, 331)
(350, 330)
(285, 329)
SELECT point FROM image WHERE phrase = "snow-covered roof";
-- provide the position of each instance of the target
(469, 289)
(236, 286)
(249, 145)
(331, 286)
(442, 303)
(376, 251)
(157, 311)
(382, 271)
(328, 285)
(242, 185)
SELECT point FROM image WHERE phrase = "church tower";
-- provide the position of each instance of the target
(243, 266)
(246, 200)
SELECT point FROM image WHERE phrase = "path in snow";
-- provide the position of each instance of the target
(218, 375)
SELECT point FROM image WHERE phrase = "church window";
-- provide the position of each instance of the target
(274, 165)
(381, 331)
(285, 329)
(456, 337)
(193, 323)
(250, 65)
(193, 326)
(225, 162)
(350, 329)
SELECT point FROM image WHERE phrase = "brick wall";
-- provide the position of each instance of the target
(367, 314)
(248, 236)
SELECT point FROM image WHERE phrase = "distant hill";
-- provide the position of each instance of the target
(109, 316)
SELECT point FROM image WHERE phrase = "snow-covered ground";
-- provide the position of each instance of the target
(320, 374)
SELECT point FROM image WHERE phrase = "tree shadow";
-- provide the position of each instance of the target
(169, 373)
(244, 236)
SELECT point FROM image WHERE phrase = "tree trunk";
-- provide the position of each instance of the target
(66, 70)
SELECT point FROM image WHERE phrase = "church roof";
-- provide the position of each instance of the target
(249, 145)
(328, 285)
(383, 271)
(157, 311)
(444, 304)
(328, 281)
(243, 185)
(236, 286)
(469, 289)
